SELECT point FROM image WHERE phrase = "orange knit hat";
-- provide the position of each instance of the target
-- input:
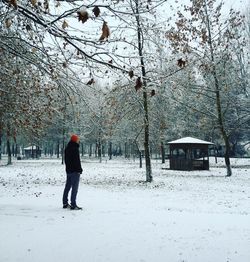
(74, 138)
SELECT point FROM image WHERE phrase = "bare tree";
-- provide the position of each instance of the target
(202, 32)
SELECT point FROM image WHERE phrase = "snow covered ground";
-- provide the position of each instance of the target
(199, 216)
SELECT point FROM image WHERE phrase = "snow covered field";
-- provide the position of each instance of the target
(199, 216)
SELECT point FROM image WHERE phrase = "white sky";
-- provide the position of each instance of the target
(237, 4)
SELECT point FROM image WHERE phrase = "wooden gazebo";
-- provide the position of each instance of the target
(189, 153)
(32, 152)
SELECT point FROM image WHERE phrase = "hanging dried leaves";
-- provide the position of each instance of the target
(46, 5)
(205, 67)
(138, 84)
(33, 2)
(28, 27)
(8, 22)
(83, 16)
(13, 3)
(131, 73)
(96, 11)
(204, 36)
(91, 81)
(65, 24)
(105, 31)
(181, 63)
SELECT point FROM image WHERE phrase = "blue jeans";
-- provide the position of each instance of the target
(72, 183)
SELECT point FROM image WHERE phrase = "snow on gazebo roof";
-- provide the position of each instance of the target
(31, 147)
(190, 140)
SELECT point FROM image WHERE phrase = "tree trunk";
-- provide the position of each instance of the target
(104, 150)
(16, 149)
(83, 149)
(147, 154)
(37, 152)
(90, 150)
(110, 150)
(13, 150)
(162, 153)
(0, 144)
(96, 149)
(99, 148)
(63, 146)
(149, 177)
(8, 152)
(51, 150)
(140, 158)
(126, 150)
(215, 154)
(218, 100)
(227, 155)
(32, 152)
(58, 149)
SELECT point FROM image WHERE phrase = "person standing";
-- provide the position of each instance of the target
(73, 171)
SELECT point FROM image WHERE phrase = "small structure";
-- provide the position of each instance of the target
(32, 152)
(189, 153)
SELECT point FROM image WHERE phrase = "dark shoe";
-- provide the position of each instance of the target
(67, 206)
(75, 208)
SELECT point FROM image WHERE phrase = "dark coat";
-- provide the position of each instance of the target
(72, 158)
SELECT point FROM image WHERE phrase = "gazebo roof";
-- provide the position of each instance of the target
(190, 140)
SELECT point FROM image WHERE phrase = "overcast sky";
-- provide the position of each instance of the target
(237, 3)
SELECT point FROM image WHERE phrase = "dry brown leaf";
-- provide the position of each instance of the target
(33, 2)
(65, 24)
(131, 73)
(138, 84)
(91, 81)
(46, 5)
(83, 16)
(28, 27)
(96, 11)
(105, 31)
(8, 22)
(13, 2)
(181, 63)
